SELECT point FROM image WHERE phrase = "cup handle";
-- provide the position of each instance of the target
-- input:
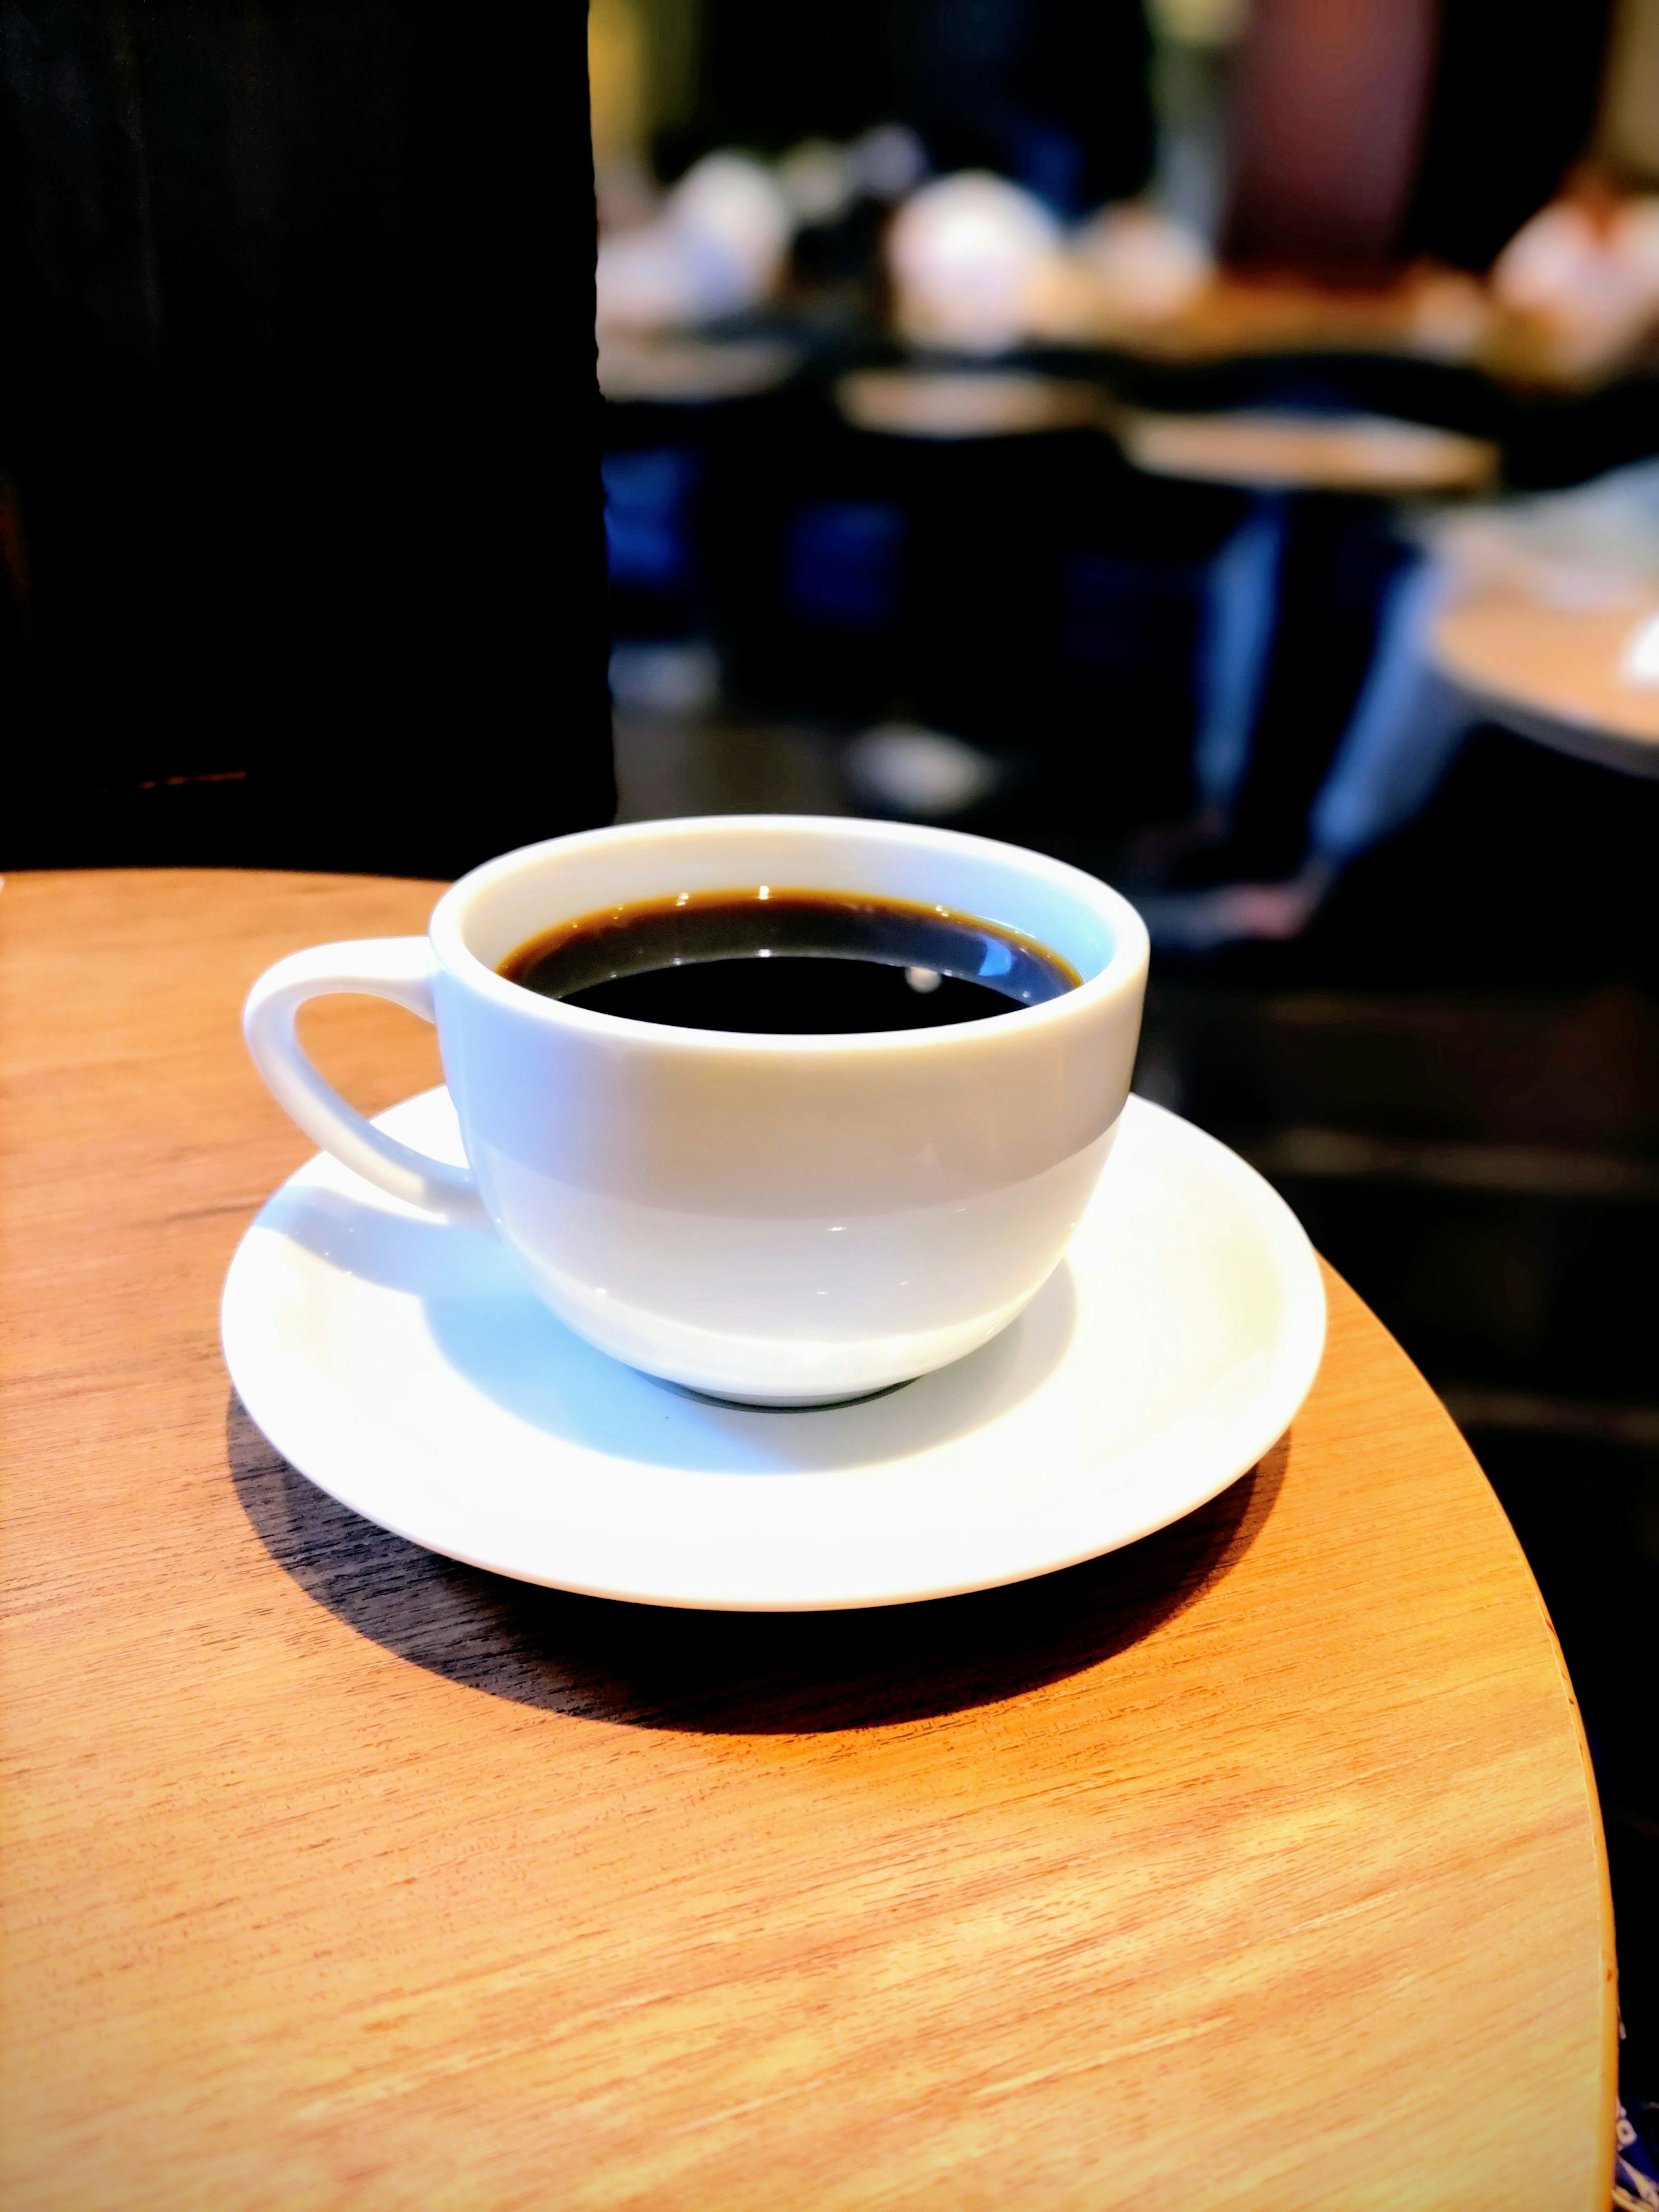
(395, 968)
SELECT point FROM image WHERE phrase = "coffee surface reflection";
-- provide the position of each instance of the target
(779, 961)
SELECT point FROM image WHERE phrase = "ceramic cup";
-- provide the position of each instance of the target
(785, 1220)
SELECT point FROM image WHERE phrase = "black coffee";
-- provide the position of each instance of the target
(779, 962)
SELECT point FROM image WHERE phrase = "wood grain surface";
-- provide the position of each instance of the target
(1256, 1865)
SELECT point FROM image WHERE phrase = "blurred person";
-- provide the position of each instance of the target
(1469, 120)
(1366, 136)
(1328, 114)
(301, 430)
(1579, 547)
(1348, 159)
(1380, 158)
(1516, 88)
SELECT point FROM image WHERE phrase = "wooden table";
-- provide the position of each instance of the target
(950, 404)
(1554, 673)
(1278, 450)
(688, 371)
(1260, 1861)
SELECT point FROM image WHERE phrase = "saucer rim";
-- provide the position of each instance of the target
(1294, 1360)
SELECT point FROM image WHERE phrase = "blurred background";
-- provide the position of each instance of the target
(1215, 442)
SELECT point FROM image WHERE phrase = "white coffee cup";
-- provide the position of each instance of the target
(785, 1220)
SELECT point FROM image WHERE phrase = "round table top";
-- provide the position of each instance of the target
(1560, 674)
(950, 404)
(1241, 315)
(1262, 449)
(338, 1875)
(682, 370)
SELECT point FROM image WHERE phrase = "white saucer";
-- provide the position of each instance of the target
(406, 1368)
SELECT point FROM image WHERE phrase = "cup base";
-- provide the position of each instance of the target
(778, 1404)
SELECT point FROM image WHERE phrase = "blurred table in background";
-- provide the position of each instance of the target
(1561, 675)
(1254, 449)
(1433, 316)
(1430, 316)
(951, 403)
(1279, 450)
(340, 1874)
(687, 370)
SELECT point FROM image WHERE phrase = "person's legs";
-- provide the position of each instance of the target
(1240, 617)
(1399, 740)
(1404, 728)
(1241, 601)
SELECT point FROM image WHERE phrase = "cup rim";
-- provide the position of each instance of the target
(1124, 969)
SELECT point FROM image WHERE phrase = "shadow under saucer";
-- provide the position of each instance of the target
(759, 1673)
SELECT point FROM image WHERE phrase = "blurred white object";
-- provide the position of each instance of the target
(1641, 662)
(626, 196)
(1449, 313)
(817, 181)
(671, 678)
(717, 248)
(920, 773)
(1144, 266)
(1213, 23)
(1594, 546)
(1550, 625)
(970, 255)
(887, 161)
(1589, 274)
(732, 201)
(821, 180)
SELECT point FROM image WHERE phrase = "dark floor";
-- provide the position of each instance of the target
(1458, 1091)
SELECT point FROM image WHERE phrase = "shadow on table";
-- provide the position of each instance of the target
(726, 1673)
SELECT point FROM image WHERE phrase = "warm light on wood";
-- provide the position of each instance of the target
(1265, 451)
(1561, 674)
(942, 404)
